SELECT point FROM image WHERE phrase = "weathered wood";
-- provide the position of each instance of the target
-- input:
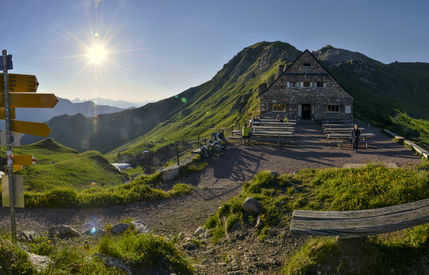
(272, 133)
(345, 136)
(274, 123)
(285, 128)
(360, 222)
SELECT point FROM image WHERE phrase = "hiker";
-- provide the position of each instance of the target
(278, 118)
(355, 137)
(257, 119)
(246, 131)
(285, 119)
(221, 136)
(214, 136)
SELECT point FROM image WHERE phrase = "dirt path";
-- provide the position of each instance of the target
(219, 182)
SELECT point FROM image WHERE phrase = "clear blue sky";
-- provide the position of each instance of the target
(159, 48)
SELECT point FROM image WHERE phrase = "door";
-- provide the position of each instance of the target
(306, 111)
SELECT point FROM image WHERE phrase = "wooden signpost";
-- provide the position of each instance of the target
(18, 91)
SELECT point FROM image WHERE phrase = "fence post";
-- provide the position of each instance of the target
(199, 142)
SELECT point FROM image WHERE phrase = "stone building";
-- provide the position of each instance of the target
(305, 90)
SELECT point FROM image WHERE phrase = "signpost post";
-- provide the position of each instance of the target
(18, 91)
(9, 145)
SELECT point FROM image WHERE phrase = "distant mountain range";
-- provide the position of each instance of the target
(110, 102)
(230, 97)
(65, 107)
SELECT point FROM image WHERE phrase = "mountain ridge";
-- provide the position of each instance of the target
(230, 97)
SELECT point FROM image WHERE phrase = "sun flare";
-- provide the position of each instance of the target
(97, 54)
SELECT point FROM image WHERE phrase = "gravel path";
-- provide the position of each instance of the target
(221, 180)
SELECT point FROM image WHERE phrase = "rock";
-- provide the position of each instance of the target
(188, 244)
(27, 235)
(41, 263)
(180, 237)
(113, 262)
(63, 232)
(200, 230)
(140, 226)
(119, 228)
(252, 206)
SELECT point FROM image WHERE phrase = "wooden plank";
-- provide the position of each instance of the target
(303, 214)
(30, 100)
(360, 222)
(275, 123)
(30, 128)
(362, 136)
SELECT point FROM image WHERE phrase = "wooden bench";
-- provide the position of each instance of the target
(276, 128)
(360, 223)
(260, 123)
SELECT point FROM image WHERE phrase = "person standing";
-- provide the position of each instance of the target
(355, 137)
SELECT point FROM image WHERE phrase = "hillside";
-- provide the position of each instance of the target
(230, 97)
(60, 166)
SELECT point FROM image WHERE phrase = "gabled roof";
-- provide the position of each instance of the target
(318, 62)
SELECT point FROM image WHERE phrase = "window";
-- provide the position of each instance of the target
(279, 107)
(291, 84)
(306, 65)
(333, 108)
(306, 84)
(320, 84)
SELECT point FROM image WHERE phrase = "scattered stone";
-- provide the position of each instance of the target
(252, 206)
(200, 230)
(140, 226)
(27, 235)
(113, 262)
(258, 222)
(63, 232)
(188, 244)
(119, 228)
(180, 237)
(41, 263)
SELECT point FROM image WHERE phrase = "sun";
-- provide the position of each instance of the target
(97, 54)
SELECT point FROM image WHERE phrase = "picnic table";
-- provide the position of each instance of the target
(269, 123)
(274, 120)
(337, 125)
(275, 128)
(272, 133)
(339, 138)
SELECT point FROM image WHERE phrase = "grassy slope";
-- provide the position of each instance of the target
(227, 100)
(335, 189)
(60, 166)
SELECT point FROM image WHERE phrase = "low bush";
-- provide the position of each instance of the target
(137, 190)
(145, 250)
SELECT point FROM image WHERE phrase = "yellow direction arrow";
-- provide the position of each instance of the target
(30, 128)
(23, 160)
(21, 83)
(30, 100)
(3, 115)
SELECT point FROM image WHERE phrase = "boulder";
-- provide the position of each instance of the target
(140, 227)
(200, 230)
(27, 235)
(40, 263)
(119, 228)
(252, 206)
(112, 262)
(63, 232)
